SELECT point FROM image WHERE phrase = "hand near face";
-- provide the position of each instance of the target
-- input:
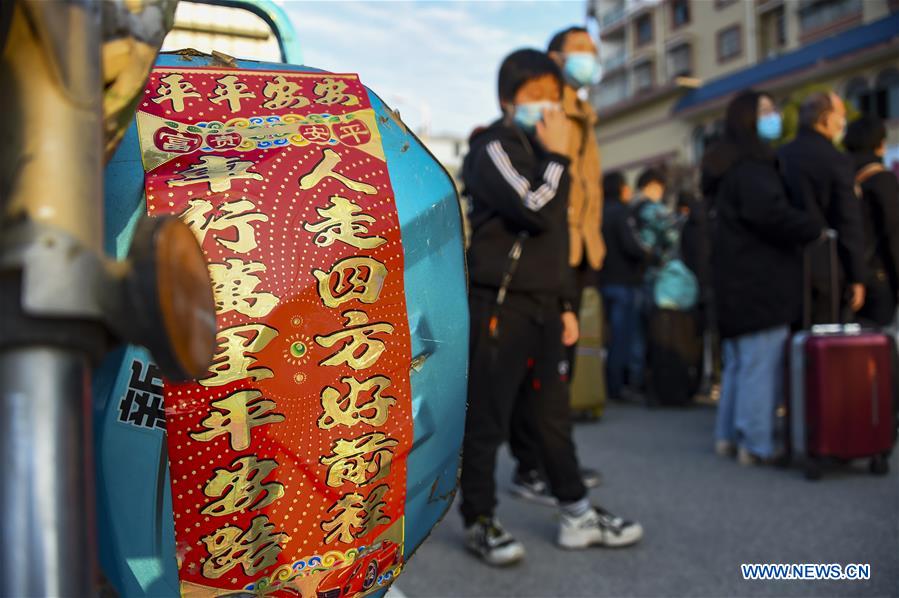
(553, 131)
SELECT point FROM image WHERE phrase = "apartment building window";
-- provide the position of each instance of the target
(882, 100)
(858, 93)
(679, 61)
(680, 13)
(643, 77)
(612, 90)
(781, 26)
(730, 43)
(643, 27)
(725, 3)
(773, 30)
(697, 143)
(886, 94)
(817, 14)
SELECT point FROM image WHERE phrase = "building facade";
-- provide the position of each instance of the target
(671, 66)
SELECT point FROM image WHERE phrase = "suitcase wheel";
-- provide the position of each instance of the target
(812, 470)
(879, 465)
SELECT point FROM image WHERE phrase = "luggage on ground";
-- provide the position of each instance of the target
(674, 356)
(841, 391)
(588, 388)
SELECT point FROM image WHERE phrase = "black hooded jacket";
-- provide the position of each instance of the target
(518, 191)
(757, 238)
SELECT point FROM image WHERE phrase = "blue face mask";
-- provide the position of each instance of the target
(527, 115)
(770, 126)
(582, 68)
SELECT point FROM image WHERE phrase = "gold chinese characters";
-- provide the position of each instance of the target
(242, 488)
(360, 278)
(355, 516)
(237, 415)
(343, 221)
(352, 408)
(360, 461)
(254, 549)
(226, 205)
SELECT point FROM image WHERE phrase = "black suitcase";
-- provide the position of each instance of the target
(674, 356)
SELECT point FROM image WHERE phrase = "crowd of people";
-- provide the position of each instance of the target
(781, 236)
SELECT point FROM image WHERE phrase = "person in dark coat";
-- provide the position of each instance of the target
(879, 194)
(621, 280)
(819, 179)
(757, 238)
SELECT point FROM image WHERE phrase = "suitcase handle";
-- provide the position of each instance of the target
(825, 329)
(829, 237)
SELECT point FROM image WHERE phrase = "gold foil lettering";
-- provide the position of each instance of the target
(325, 169)
(217, 171)
(282, 93)
(355, 516)
(232, 360)
(254, 549)
(331, 91)
(242, 488)
(239, 215)
(232, 91)
(237, 415)
(234, 286)
(349, 410)
(359, 278)
(359, 349)
(343, 221)
(361, 461)
(175, 90)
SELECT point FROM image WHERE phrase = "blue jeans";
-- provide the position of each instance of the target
(622, 307)
(752, 387)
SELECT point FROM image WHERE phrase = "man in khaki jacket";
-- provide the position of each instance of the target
(575, 52)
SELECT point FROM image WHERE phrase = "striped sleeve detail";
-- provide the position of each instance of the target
(533, 200)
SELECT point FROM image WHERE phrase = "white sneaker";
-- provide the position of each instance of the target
(487, 539)
(597, 527)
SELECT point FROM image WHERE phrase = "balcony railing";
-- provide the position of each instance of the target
(613, 17)
(614, 61)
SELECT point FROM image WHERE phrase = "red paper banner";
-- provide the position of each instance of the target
(288, 460)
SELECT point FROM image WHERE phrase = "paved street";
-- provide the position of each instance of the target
(703, 516)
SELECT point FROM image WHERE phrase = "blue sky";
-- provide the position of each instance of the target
(435, 61)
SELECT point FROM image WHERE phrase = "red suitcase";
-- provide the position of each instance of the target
(842, 395)
(842, 399)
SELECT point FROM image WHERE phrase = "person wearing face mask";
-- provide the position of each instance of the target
(757, 243)
(521, 292)
(574, 51)
(820, 179)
